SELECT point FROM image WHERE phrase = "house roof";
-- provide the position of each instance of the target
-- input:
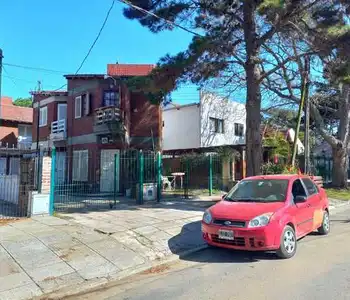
(14, 113)
(50, 93)
(129, 69)
(84, 76)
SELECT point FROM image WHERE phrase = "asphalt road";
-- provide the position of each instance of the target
(320, 270)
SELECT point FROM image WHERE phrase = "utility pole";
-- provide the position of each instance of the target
(307, 119)
(38, 118)
(1, 57)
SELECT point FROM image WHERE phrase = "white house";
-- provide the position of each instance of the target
(214, 121)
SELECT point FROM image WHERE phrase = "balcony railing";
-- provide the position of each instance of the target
(107, 114)
(58, 130)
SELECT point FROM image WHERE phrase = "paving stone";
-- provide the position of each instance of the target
(58, 282)
(103, 270)
(8, 266)
(24, 292)
(80, 257)
(158, 236)
(146, 230)
(49, 220)
(14, 280)
(31, 259)
(54, 270)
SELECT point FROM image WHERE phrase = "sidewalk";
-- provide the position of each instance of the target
(46, 254)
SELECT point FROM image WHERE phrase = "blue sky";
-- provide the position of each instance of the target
(57, 35)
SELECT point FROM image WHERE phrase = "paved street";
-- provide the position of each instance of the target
(320, 270)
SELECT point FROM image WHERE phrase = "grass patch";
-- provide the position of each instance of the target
(340, 194)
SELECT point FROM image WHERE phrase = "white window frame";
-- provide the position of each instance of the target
(80, 165)
(77, 107)
(42, 120)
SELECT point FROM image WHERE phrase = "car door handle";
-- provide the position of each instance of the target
(308, 205)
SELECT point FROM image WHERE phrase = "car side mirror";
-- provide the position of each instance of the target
(300, 199)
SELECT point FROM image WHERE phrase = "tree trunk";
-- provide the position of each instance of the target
(253, 101)
(340, 167)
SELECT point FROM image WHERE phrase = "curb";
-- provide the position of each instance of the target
(114, 279)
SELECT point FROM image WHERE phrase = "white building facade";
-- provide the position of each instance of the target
(214, 121)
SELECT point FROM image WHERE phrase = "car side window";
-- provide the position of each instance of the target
(298, 189)
(310, 186)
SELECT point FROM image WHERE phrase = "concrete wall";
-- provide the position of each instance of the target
(181, 127)
(214, 106)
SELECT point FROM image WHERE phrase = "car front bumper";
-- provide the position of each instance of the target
(251, 239)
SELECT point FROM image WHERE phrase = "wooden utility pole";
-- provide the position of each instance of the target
(1, 57)
(307, 120)
(305, 79)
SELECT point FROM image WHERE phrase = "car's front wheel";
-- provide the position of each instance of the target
(288, 244)
(325, 227)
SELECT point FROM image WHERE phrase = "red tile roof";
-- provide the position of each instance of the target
(11, 112)
(129, 69)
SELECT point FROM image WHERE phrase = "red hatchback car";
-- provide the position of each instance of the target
(267, 213)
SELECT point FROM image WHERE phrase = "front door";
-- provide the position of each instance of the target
(61, 111)
(302, 211)
(60, 167)
(109, 179)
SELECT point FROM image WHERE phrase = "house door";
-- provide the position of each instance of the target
(109, 171)
(60, 167)
(61, 111)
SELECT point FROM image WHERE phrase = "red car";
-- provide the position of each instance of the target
(264, 213)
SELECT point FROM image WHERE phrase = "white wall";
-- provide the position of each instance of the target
(213, 106)
(181, 127)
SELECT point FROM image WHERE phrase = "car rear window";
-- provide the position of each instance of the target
(259, 190)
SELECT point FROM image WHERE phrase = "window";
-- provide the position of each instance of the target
(298, 189)
(264, 190)
(14, 166)
(43, 116)
(80, 165)
(25, 130)
(310, 186)
(61, 111)
(239, 129)
(110, 98)
(3, 161)
(216, 125)
(77, 107)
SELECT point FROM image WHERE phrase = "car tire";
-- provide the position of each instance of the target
(288, 243)
(325, 227)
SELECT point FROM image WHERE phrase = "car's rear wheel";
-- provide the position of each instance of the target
(325, 227)
(288, 244)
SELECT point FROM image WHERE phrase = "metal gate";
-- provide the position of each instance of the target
(17, 181)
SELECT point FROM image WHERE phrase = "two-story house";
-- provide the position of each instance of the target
(91, 122)
(15, 132)
(204, 126)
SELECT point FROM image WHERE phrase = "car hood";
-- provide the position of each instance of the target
(243, 210)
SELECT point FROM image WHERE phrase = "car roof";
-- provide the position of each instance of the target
(276, 177)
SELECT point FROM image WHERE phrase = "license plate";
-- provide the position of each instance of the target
(226, 235)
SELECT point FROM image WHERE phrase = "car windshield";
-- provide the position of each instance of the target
(259, 190)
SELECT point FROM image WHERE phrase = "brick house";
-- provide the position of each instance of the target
(15, 132)
(93, 121)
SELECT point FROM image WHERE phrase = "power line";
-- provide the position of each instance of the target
(147, 12)
(97, 37)
(13, 81)
(93, 44)
(35, 68)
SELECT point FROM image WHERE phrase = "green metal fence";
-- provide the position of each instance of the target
(99, 180)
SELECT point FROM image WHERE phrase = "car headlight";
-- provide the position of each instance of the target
(260, 221)
(207, 218)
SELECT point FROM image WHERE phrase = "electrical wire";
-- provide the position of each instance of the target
(147, 12)
(8, 75)
(34, 68)
(93, 44)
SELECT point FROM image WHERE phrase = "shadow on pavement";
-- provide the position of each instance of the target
(190, 238)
